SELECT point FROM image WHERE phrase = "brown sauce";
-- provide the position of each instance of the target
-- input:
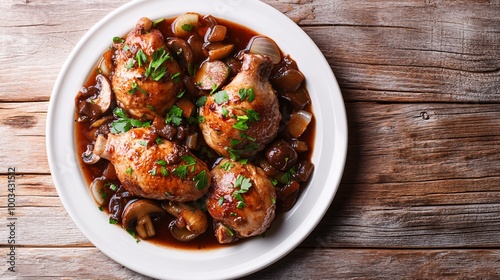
(84, 135)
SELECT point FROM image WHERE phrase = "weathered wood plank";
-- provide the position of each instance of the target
(90, 263)
(385, 264)
(439, 51)
(23, 144)
(422, 142)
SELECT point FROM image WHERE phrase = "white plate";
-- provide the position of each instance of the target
(288, 229)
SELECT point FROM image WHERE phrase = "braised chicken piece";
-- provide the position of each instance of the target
(241, 201)
(151, 170)
(146, 78)
(242, 118)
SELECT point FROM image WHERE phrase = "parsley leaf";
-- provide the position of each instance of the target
(187, 27)
(201, 180)
(181, 171)
(141, 58)
(176, 77)
(174, 115)
(189, 160)
(117, 39)
(225, 112)
(253, 116)
(221, 97)
(136, 87)
(246, 93)
(124, 123)
(226, 166)
(158, 58)
(244, 184)
(201, 101)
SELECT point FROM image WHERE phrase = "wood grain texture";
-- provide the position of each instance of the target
(70, 263)
(420, 195)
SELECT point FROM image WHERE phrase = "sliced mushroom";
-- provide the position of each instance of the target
(99, 105)
(190, 222)
(218, 50)
(139, 215)
(105, 97)
(89, 157)
(181, 48)
(211, 75)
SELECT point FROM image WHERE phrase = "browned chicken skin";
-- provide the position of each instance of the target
(241, 201)
(141, 94)
(151, 170)
(244, 117)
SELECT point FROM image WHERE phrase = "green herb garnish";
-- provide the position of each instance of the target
(155, 71)
(187, 27)
(201, 180)
(221, 97)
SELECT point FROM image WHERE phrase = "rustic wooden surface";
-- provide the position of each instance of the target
(420, 196)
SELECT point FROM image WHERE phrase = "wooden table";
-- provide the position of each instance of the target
(420, 196)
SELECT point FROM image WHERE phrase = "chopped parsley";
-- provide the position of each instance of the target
(253, 116)
(187, 27)
(124, 123)
(201, 180)
(129, 171)
(214, 88)
(201, 101)
(164, 171)
(130, 63)
(181, 171)
(158, 21)
(136, 87)
(174, 115)
(246, 93)
(241, 124)
(180, 94)
(176, 77)
(221, 97)
(155, 71)
(117, 39)
(287, 177)
(244, 184)
(132, 233)
(141, 58)
(221, 201)
(225, 112)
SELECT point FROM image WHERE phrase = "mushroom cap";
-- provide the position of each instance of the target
(138, 209)
(105, 97)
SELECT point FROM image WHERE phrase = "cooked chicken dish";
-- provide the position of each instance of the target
(194, 130)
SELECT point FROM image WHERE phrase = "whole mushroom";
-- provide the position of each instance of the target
(100, 104)
(139, 215)
(190, 222)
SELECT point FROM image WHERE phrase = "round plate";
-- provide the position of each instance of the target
(288, 229)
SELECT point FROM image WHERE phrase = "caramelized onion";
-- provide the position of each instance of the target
(192, 141)
(184, 24)
(98, 192)
(298, 123)
(265, 46)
